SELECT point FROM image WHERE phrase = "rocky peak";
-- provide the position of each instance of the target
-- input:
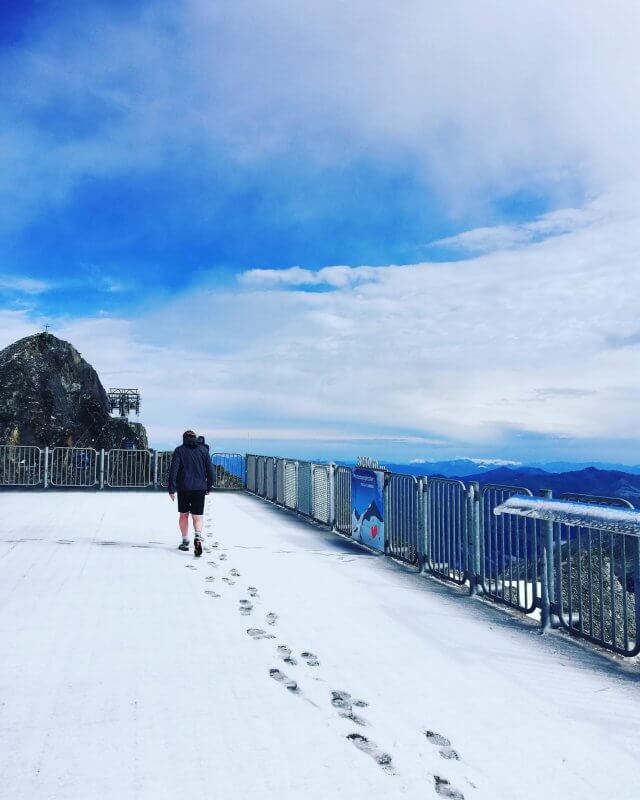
(49, 395)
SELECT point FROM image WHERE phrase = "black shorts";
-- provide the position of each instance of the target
(191, 502)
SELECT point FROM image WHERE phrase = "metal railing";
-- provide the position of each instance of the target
(509, 552)
(87, 468)
(402, 519)
(573, 572)
(20, 465)
(342, 501)
(446, 521)
(130, 469)
(304, 489)
(290, 484)
(228, 471)
(597, 572)
(161, 468)
(579, 579)
(596, 566)
(73, 466)
(251, 479)
(321, 493)
(270, 478)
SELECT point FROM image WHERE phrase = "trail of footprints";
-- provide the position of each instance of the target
(340, 700)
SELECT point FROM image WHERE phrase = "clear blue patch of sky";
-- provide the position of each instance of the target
(160, 231)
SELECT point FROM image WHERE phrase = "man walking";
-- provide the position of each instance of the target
(192, 475)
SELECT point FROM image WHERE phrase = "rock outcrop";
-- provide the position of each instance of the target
(49, 395)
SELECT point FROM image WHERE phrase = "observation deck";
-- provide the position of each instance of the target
(128, 670)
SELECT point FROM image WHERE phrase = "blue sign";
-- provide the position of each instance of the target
(367, 507)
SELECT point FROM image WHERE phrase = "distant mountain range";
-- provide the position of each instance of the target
(578, 478)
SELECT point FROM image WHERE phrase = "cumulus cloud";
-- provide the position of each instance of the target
(336, 277)
(510, 351)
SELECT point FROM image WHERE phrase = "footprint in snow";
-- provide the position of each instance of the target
(445, 789)
(229, 581)
(345, 703)
(223, 556)
(245, 608)
(190, 566)
(310, 658)
(341, 699)
(212, 564)
(258, 633)
(215, 545)
(353, 717)
(371, 749)
(234, 572)
(271, 618)
(279, 676)
(210, 593)
(285, 654)
(438, 740)
(252, 591)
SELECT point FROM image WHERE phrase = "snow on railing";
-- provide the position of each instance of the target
(596, 517)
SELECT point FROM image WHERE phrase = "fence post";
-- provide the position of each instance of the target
(46, 468)
(546, 570)
(102, 468)
(473, 500)
(332, 505)
(422, 528)
(155, 469)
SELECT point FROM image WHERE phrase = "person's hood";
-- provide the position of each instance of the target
(190, 441)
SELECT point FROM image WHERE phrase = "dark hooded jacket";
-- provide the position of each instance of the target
(191, 468)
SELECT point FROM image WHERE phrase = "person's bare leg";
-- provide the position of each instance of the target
(183, 523)
(197, 523)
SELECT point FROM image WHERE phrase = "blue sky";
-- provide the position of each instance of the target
(255, 189)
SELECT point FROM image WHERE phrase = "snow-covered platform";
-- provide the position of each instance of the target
(126, 669)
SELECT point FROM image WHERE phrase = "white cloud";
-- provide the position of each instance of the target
(338, 277)
(22, 285)
(540, 343)
(503, 237)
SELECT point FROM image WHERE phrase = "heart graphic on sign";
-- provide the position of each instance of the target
(374, 531)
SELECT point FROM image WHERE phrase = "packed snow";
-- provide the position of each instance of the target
(286, 663)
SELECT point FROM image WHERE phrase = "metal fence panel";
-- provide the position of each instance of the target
(447, 529)
(270, 478)
(510, 557)
(402, 519)
(290, 484)
(228, 470)
(20, 465)
(129, 469)
(280, 481)
(260, 474)
(73, 466)
(343, 505)
(251, 473)
(164, 463)
(597, 575)
(321, 493)
(304, 488)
